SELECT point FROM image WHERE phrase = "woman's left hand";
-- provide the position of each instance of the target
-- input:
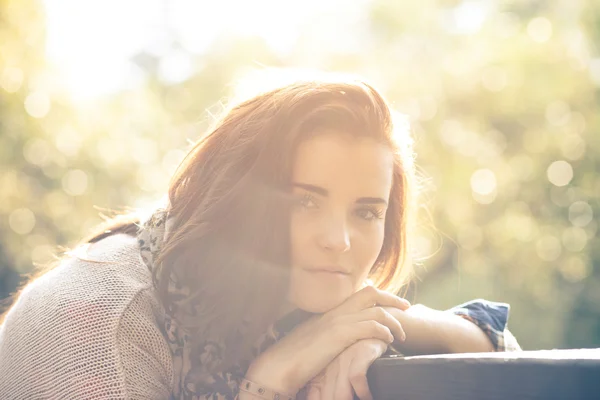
(346, 374)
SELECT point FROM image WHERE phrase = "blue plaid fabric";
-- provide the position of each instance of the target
(492, 318)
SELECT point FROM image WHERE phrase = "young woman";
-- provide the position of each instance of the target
(270, 272)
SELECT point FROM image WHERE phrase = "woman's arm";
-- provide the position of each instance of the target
(476, 326)
(430, 331)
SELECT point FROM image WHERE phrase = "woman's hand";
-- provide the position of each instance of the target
(291, 363)
(347, 374)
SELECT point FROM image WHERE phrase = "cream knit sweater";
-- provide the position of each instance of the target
(89, 329)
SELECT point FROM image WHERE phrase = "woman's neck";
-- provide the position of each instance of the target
(285, 309)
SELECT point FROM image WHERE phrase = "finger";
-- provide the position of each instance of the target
(377, 349)
(380, 349)
(369, 296)
(328, 388)
(357, 376)
(313, 392)
(360, 385)
(343, 388)
(360, 365)
(344, 333)
(365, 330)
(378, 314)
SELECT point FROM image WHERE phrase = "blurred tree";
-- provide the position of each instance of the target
(502, 97)
(511, 150)
(21, 57)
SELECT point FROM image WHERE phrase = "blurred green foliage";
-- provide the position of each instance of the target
(502, 96)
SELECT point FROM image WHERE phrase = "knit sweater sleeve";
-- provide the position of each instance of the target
(87, 330)
(144, 355)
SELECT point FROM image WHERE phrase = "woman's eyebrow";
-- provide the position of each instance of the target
(312, 188)
(324, 192)
(371, 200)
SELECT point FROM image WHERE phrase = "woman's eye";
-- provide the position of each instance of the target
(369, 214)
(307, 202)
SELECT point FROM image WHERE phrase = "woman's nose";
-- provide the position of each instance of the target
(335, 235)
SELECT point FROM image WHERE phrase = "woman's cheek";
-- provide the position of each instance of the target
(367, 249)
(299, 234)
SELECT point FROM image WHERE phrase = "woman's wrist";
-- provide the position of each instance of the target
(253, 390)
(274, 379)
(469, 337)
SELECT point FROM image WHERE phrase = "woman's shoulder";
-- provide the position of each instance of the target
(100, 278)
(76, 315)
(113, 263)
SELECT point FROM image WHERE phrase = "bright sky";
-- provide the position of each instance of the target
(91, 41)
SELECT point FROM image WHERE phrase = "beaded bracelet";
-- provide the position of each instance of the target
(263, 392)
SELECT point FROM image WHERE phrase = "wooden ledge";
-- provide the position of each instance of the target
(546, 374)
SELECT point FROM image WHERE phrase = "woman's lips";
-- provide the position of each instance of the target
(326, 273)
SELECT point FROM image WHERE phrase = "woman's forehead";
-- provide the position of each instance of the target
(336, 160)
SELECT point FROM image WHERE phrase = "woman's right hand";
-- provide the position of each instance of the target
(292, 362)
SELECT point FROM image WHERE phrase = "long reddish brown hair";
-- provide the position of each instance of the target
(229, 201)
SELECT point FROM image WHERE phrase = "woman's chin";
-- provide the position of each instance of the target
(319, 305)
(319, 295)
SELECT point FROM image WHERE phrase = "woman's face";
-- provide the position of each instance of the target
(342, 186)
